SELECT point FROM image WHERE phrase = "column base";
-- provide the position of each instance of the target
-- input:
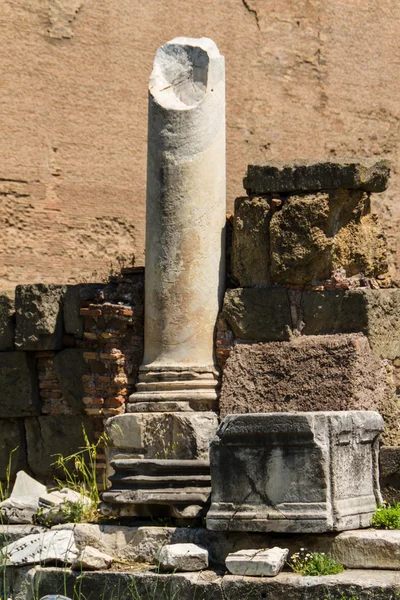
(174, 389)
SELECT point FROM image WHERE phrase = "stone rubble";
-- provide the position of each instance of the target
(23, 503)
(91, 559)
(257, 563)
(183, 557)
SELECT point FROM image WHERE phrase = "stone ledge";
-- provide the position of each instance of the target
(374, 585)
(368, 174)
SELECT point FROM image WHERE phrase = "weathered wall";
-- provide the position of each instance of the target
(304, 79)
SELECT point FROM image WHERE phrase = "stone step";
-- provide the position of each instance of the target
(374, 585)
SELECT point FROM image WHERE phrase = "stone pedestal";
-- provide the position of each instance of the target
(184, 284)
(295, 472)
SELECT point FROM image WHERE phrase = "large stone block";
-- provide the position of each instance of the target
(372, 312)
(307, 373)
(7, 320)
(368, 549)
(19, 390)
(259, 314)
(70, 368)
(12, 447)
(39, 316)
(315, 234)
(295, 472)
(250, 241)
(50, 435)
(163, 435)
(368, 174)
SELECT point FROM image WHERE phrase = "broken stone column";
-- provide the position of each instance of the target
(295, 472)
(184, 227)
(159, 461)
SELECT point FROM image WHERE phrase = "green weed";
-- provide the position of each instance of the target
(5, 487)
(79, 473)
(387, 516)
(314, 563)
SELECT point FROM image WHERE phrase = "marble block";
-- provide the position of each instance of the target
(295, 472)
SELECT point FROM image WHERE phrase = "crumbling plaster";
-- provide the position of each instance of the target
(304, 79)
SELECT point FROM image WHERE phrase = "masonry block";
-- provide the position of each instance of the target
(260, 314)
(70, 367)
(372, 312)
(184, 435)
(7, 320)
(250, 241)
(39, 316)
(309, 373)
(50, 435)
(368, 174)
(295, 472)
(19, 391)
(315, 234)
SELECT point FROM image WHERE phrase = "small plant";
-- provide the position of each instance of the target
(5, 487)
(79, 473)
(314, 563)
(387, 516)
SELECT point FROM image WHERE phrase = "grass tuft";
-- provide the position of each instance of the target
(387, 516)
(314, 563)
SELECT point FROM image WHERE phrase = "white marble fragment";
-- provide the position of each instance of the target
(50, 546)
(257, 563)
(183, 557)
(23, 502)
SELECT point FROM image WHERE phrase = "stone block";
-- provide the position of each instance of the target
(90, 559)
(23, 503)
(183, 557)
(50, 435)
(181, 436)
(372, 312)
(257, 563)
(315, 234)
(12, 437)
(337, 372)
(389, 468)
(295, 472)
(73, 322)
(7, 320)
(39, 316)
(369, 549)
(70, 367)
(19, 390)
(368, 174)
(250, 241)
(260, 314)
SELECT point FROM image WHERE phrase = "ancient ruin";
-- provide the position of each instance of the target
(245, 402)
(185, 266)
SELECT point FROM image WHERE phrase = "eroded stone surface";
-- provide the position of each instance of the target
(250, 242)
(379, 585)
(7, 320)
(261, 314)
(164, 435)
(260, 563)
(91, 559)
(307, 373)
(370, 549)
(295, 472)
(368, 174)
(19, 393)
(39, 316)
(313, 235)
(183, 557)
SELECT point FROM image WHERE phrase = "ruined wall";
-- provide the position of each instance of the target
(306, 78)
(69, 357)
